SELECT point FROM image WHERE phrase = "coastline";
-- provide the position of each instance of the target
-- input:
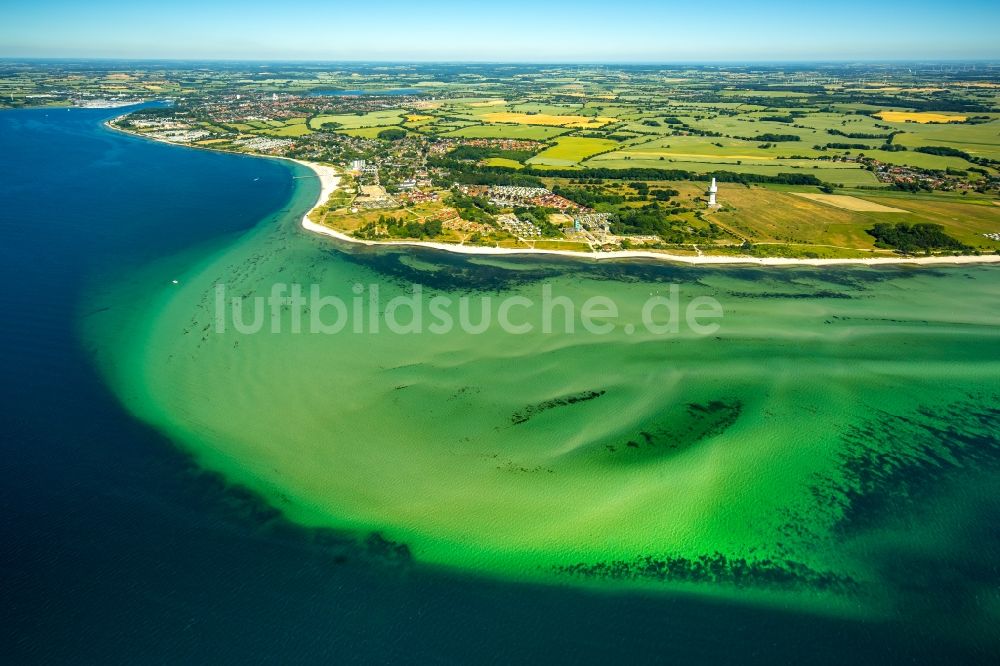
(303, 386)
(329, 181)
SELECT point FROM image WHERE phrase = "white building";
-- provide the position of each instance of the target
(712, 190)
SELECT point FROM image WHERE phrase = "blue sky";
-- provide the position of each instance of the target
(511, 30)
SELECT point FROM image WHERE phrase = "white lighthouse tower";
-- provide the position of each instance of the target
(712, 190)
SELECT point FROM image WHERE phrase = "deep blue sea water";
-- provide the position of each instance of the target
(114, 548)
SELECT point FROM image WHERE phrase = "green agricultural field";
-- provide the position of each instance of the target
(763, 214)
(550, 109)
(544, 167)
(662, 128)
(852, 124)
(365, 132)
(750, 126)
(835, 173)
(214, 128)
(289, 129)
(977, 140)
(966, 221)
(355, 121)
(532, 132)
(699, 148)
(570, 150)
(475, 102)
(444, 126)
(609, 109)
(418, 122)
(759, 214)
(912, 158)
(766, 93)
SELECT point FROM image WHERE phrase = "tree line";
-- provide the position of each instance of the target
(913, 238)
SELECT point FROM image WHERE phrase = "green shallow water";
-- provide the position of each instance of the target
(831, 444)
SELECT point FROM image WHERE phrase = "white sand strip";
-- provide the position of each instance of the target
(329, 182)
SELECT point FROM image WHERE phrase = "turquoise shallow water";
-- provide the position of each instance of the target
(775, 460)
(862, 447)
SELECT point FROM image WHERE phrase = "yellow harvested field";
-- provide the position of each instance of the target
(586, 122)
(417, 117)
(373, 191)
(490, 102)
(503, 162)
(918, 117)
(849, 203)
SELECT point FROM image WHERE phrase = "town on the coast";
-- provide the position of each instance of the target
(823, 162)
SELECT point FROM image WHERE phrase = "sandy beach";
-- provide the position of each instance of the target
(329, 181)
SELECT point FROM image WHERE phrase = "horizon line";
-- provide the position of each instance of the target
(392, 61)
